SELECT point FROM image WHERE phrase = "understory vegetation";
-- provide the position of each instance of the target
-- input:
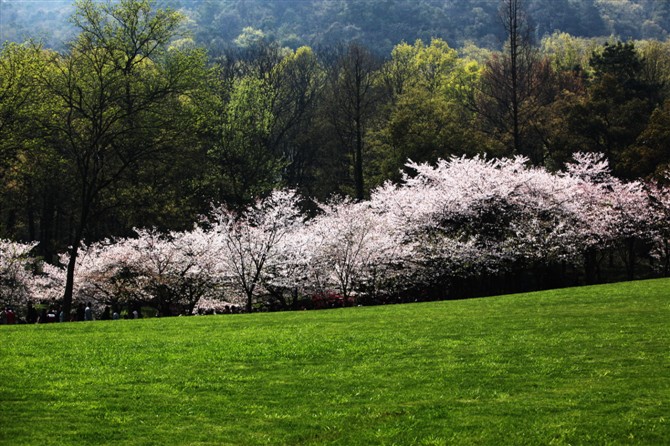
(574, 366)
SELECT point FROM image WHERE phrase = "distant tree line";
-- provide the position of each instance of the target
(133, 125)
(377, 24)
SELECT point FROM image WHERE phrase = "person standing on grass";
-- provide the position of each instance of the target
(10, 315)
(88, 313)
(31, 315)
(80, 315)
(51, 316)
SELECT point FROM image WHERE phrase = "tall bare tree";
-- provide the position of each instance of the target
(354, 97)
(514, 84)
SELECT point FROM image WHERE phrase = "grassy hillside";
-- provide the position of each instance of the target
(575, 366)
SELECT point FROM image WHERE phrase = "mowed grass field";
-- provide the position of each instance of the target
(574, 366)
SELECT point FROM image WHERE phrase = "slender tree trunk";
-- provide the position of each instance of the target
(250, 300)
(513, 14)
(590, 266)
(358, 160)
(74, 251)
(69, 281)
(631, 258)
(358, 118)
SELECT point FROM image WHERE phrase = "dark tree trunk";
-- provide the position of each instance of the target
(630, 264)
(590, 266)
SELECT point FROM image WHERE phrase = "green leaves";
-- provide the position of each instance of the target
(427, 117)
(131, 30)
(245, 165)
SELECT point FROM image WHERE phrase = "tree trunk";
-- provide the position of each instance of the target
(630, 267)
(69, 280)
(358, 160)
(250, 300)
(590, 266)
(513, 16)
(74, 250)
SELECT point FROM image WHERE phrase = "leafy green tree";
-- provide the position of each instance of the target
(245, 166)
(650, 155)
(297, 83)
(425, 115)
(616, 109)
(257, 118)
(19, 65)
(655, 71)
(567, 52)
(115, 97)
(29, 168)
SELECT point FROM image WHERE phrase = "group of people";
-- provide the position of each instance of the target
(8, 316)
(51, 314)
(45, 314)
(57, 314)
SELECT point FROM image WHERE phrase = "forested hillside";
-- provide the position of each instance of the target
(379, 24)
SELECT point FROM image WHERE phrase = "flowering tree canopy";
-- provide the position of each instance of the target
(15, 272)
(161, 270)
(248, 243)
(458, 219)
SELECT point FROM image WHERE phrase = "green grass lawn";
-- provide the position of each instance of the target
(575, 366)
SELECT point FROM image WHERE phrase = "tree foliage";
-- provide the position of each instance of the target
(131, 125)
(464, 219)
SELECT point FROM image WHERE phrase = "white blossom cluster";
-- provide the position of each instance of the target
(459, 218)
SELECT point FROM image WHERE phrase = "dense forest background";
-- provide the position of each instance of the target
(141, 114)
(378, 24)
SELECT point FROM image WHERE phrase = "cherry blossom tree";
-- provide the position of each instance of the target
(458, 219)
(354, 246)
(609, 213)
(287, 279)
(24, 278)
(167, 271)
(249, 244)
(107, 276)
(174, 270)
(15, 272)
(464, 217)
(659, 197)
(47, 283)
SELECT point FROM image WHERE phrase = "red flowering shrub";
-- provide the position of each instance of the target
(330, 299)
